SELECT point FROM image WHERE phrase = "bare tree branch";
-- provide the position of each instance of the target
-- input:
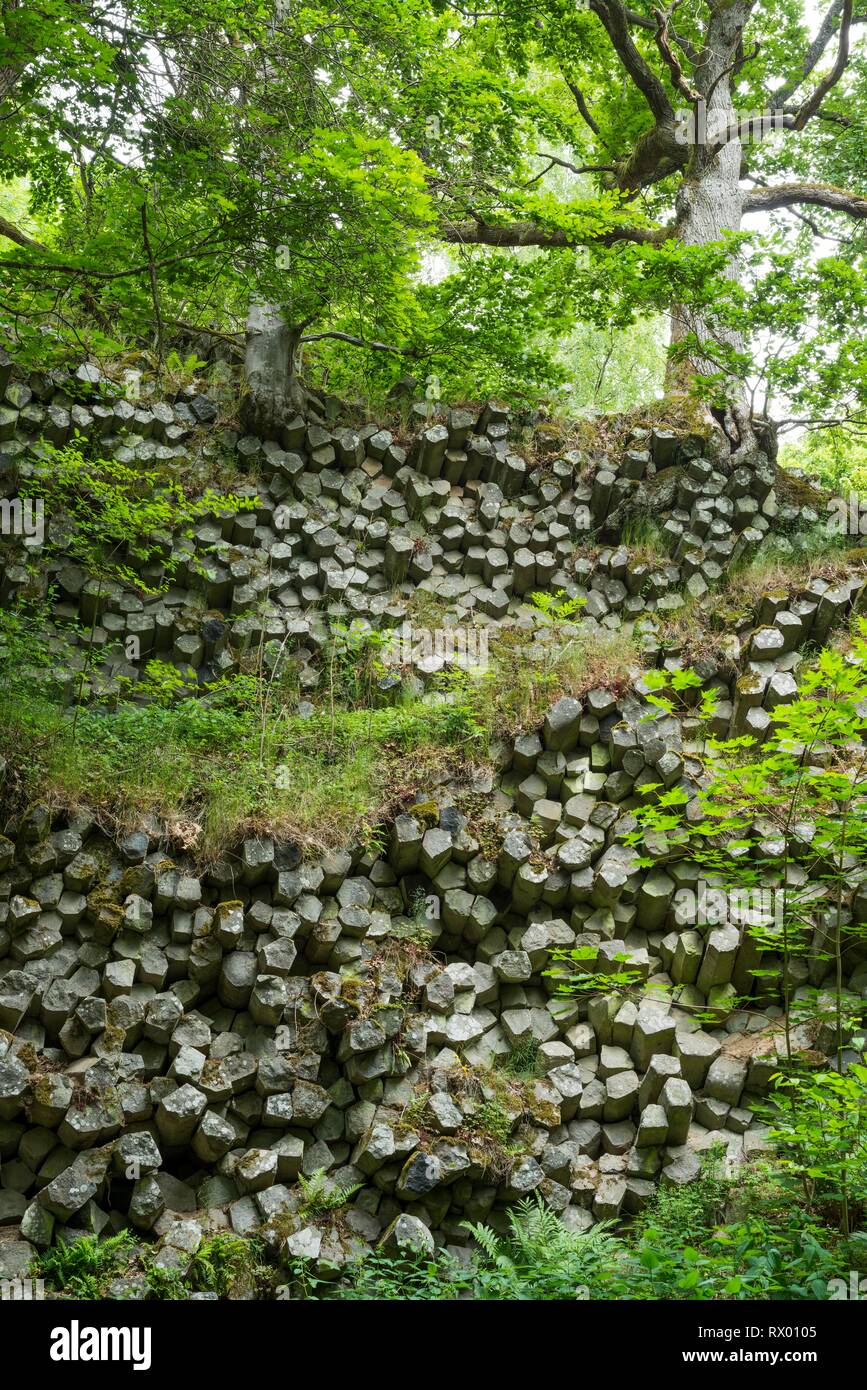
(832, 117)
(819, 195)
(814, 101)
(230, 338)
(677, 75)
(582, 105)
(642, 22)
(815, 51)
(736, 66)
(528, 234)
(91, 273)
(573, 168)
(614, 18)
(357, 342)
(13, 233)
(152, 276)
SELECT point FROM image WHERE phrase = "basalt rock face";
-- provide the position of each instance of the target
(179, 1045)
(348, 524)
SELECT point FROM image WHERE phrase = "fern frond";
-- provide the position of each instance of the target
(485, 1237)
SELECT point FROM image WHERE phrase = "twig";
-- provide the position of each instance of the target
(152, 276)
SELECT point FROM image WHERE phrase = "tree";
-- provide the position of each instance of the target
(658, 99)
(296, 160)
(208, 161)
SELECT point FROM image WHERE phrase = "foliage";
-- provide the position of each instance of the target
(221, 1264)
(493, 1120)
(179, 163)
(113, 519)
(571, 976)
(224, 1264)
(182, 153)
(768, 818)
(539, 1258)
(196, 762)
(835, 458)
(26, 654)
(681, 689)
(355, 662)
(556, 608)
(681, 1248)
(719, 1237)
(384, 1278)
(162, 683)
(731, 1237)
(319, 1194)
(83, 1267)
(820, 1127)
(183, 370)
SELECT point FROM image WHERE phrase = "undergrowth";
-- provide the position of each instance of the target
(719, 1238)
(317, 780)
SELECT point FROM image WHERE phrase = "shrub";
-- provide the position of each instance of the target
(83, 1268)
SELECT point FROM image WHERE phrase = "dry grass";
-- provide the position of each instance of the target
(679, 412)
(527, 675)
(770, 571)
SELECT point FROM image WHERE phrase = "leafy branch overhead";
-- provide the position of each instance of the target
(563, 164)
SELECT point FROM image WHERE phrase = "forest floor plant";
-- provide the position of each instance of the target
(789, 818)
(719, 1238)
(121, 524)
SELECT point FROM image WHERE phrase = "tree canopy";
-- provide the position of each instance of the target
(566, 170)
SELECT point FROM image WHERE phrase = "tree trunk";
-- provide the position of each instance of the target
(710, 204)
(270, 359)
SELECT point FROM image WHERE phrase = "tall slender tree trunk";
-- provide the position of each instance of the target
(709, 205)
(275, 393)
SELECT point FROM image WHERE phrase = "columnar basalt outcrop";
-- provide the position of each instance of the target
(180, 1043)
(347, 524)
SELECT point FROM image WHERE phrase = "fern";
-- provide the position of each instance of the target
(485, 1237)
(320, 1196)
(82, 1268)
(556, 608)
(539, 1253)
(220, 1263)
